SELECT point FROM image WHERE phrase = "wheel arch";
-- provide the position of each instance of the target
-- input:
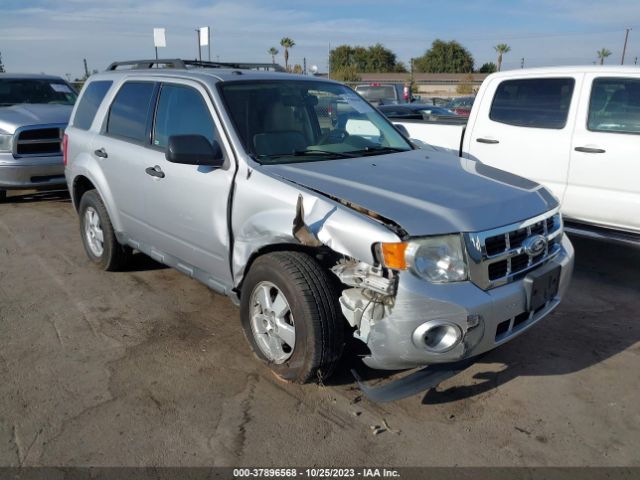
(84, 180)
(272, 248)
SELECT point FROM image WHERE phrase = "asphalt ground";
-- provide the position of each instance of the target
(148, 367)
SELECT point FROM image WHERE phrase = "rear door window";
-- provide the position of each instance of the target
(182, 111)
(89, 103)
(536, 102)
(615, 105)
(130, 111)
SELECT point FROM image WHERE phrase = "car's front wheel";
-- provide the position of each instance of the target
(291, 316)
(98, 237)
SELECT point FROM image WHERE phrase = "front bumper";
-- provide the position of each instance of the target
(31, 172)
(417, 301)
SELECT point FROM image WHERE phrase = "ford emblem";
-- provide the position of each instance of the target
(534, 245)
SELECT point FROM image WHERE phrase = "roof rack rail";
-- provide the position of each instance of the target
(184, 64)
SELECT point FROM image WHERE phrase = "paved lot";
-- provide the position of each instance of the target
(148, 367)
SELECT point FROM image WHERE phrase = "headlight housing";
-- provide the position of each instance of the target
(6, 141)
(438, 259)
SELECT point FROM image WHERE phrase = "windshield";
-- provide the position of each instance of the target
(295, 121)
(14, 91)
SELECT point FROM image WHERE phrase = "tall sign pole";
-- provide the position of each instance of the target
(159, 39)
(198, 43)
(624, 49)
(204, 37)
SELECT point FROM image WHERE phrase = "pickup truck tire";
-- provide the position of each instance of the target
(314, 313)
(98, 237)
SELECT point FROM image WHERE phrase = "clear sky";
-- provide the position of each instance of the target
(53, 36)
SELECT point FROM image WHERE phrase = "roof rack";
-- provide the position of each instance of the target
(185, 64)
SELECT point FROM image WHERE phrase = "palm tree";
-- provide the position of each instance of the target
(602, 54)
(501, 48)
(287, 43)
(273, 51)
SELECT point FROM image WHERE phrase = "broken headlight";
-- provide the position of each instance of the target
(439, 259)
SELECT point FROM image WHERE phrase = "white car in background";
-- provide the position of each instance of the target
(576, 130)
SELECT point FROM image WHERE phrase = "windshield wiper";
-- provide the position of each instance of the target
(379, 150)
(301, 153)
(304, 153)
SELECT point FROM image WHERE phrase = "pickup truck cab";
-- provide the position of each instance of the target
(575, 130)
(315, 224)
(34, 111)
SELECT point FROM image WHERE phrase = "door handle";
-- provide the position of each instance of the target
(589, 150)
(490, 141)
(155, 171)
(101, 152)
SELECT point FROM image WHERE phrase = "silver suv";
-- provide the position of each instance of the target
(34, 111)
(300, 201)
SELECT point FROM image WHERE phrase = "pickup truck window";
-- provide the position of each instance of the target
(14, 91)
(295, 121)
(89, 103)
(376, 93)
(130, 111)
(181, 111)
(615, 105)
(535, 102)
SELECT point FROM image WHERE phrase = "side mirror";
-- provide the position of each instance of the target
(402, 129)
(194, 150)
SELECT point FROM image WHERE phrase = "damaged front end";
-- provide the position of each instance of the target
(369, 304)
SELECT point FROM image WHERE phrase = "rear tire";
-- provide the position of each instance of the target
(312, 320)
(98, 238)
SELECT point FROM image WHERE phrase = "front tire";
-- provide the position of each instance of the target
(291, 316)
(98, 238)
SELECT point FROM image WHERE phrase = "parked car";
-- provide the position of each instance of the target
(34, 111)
(576, 130)
(311, 227)
(384, 93)
(414, 111)
(461, 105)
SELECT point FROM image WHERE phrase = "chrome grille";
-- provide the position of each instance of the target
(39, 140)
(504, 254)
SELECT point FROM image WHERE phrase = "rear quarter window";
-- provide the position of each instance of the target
(535, 102)
(89, 103)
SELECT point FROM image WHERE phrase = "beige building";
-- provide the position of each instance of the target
(429, 84)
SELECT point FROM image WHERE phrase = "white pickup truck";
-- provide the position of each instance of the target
(576, 130)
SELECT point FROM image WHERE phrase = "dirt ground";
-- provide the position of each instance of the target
(148, 367)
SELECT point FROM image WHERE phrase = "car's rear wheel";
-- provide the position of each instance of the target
(98, 237)
(291, 316)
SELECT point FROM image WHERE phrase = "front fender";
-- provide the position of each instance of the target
(263, 214)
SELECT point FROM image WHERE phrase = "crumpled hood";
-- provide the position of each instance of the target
(33, 114)
(425, 193)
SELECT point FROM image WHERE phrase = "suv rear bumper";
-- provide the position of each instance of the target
(478, 314)
(31, 172)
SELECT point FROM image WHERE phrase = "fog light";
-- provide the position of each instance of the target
(437, 336)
